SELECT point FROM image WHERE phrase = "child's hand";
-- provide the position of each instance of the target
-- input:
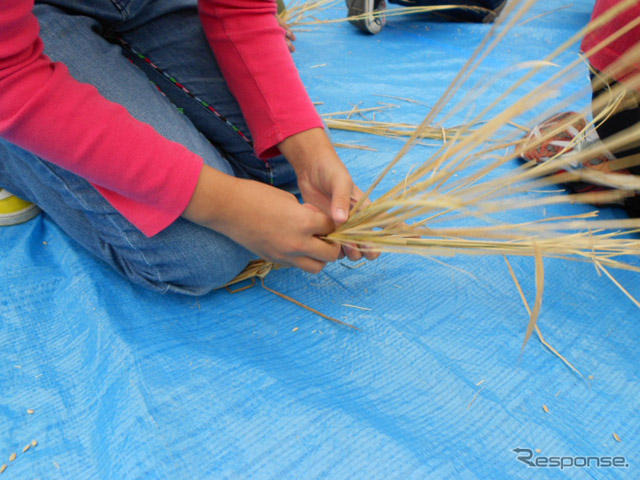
(268, 221)
(323, 179)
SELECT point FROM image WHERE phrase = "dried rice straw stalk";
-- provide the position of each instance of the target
(298, 11)
(260, 269)
(344, 120)
(389, 129)
(459, 200)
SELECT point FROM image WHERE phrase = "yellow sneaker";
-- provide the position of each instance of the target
(14, 210)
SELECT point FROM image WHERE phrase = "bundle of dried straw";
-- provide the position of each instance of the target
(454, 203)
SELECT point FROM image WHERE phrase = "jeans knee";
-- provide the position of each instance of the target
(184, 273)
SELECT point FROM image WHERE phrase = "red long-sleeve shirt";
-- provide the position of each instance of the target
(617, 48)
(146, 177)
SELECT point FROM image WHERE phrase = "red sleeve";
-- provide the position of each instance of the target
(617, 48)
(250, 47)
(146, 177)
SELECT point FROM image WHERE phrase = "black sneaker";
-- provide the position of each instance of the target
(497, 10)
(493, 9)
(370, 23)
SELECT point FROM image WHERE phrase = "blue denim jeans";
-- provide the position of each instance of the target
(153, 58)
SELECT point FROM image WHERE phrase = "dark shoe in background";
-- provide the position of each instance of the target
(493, 8)
(374, 20)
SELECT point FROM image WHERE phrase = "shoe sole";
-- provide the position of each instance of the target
(22, 216)
(374, 23)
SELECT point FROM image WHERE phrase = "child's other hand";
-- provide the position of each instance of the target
(289, 36)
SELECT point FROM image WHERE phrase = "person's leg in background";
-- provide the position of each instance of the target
(184, 257)
(491, 9)
(573, 135)
(374, 19)
(627, 115)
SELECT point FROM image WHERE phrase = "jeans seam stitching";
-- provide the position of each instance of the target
(117, 227)
(121, 8)
(205, 105)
